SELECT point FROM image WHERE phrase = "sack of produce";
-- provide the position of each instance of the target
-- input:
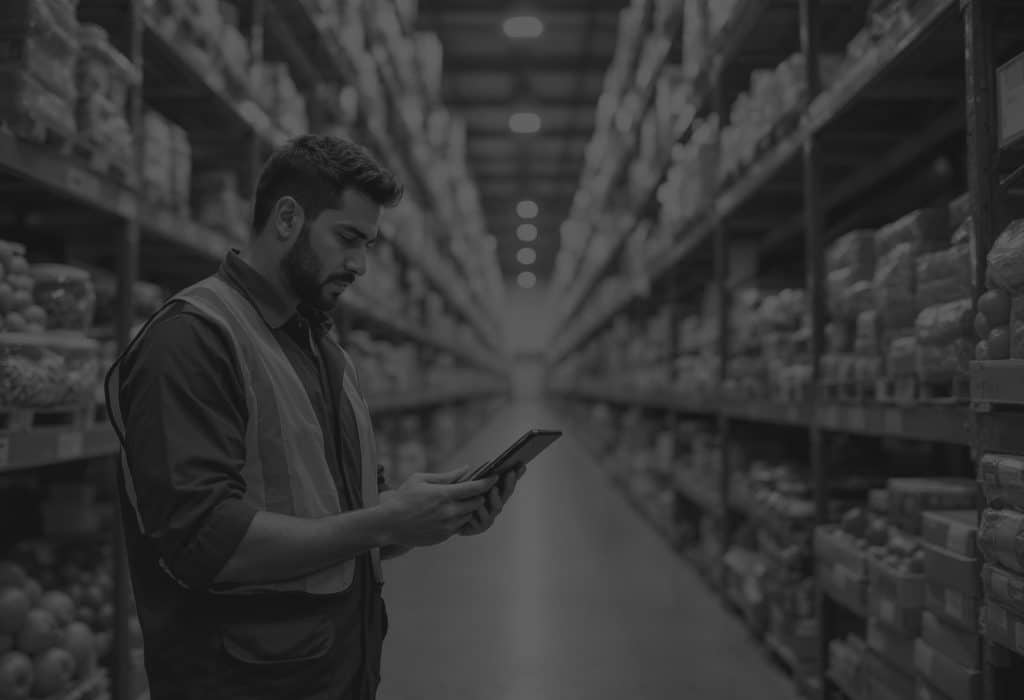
(1001, 538)
(924, 230)
(944, 276)
(67, 295)
(960, 211)
(901, 359)
(856, 250)
(1006, 259)
(939, 363)
(944, 323)
(24, 102)
(894, 287)
(1002, 480)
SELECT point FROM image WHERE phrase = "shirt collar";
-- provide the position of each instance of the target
(271, 306)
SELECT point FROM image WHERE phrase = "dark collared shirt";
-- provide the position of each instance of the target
(185, 416)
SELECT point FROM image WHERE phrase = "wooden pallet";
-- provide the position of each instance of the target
(77, 417)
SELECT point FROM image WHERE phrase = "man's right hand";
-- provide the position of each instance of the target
(429, 508)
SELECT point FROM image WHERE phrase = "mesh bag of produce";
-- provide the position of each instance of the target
(924, 230)
(1001, 538)
(1002, 480)
(937, 363)
(856, 250)
(1006, 259)
(943, 323)
(47, 370)
(894, 287)
(944, 276)
(901, 358)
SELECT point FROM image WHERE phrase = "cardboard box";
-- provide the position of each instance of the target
(952, 570)
(830, 547)
(1002, 480)
(954, 530)
(890, 644)
(963, 647)
(903, 588)
(885, 680)
(844, 587)
(905, 620)
(1004, 588)
(926, 691)
(953, 606)
(946, 675)
(1004, 628)
(998, 535)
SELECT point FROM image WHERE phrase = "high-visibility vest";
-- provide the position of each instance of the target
(285, 469)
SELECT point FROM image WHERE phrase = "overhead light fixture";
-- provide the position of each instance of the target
(527, 209)
(526, 256)
(524, 123)
(527, 233)
(523, 27)
(527, 280)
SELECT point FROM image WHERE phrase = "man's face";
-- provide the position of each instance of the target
(330, 252)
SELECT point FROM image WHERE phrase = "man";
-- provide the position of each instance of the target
(254, 509)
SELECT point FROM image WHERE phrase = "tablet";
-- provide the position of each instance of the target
(522, 451)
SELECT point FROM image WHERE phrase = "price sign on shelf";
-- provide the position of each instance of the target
(1010, 95)
(70, 445)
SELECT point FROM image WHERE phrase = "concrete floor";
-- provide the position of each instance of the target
(570, 596)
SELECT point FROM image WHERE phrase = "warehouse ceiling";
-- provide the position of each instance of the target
(557, 75)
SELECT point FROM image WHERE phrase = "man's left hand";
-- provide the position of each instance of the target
(496, 499)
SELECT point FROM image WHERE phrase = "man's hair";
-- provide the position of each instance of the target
(316, 170)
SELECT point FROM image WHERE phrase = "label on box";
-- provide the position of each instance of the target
(70, 445)
(1010, 95)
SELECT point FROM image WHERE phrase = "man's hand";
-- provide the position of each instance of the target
(495, 501)
(429, 508)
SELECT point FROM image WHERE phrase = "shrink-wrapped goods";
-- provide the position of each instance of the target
(1001, 538)
(944, 323)
(944, 276)
(924, 230)
(894, 287)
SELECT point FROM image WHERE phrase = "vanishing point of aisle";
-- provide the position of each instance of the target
(571, 596)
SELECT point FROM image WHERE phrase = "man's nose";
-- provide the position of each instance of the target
(356, 262)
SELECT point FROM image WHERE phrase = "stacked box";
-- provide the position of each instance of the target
(947, 656)
(910, 498)
(842, 567)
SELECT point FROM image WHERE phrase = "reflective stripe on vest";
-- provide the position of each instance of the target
(285, 470)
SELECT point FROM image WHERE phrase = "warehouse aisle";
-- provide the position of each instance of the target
(570, 597)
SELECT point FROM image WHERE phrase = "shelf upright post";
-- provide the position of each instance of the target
(723, 296)
(256, 44)
(127, 274)
(814, 231)
(982, 178)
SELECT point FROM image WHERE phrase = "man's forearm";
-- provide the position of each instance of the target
(394, 551)
(281, 547)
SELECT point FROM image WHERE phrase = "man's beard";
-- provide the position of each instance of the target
(304, 274)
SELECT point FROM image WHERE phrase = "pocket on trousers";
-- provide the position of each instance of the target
(278, 641)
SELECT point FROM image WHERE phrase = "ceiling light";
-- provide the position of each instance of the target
(526, 256)
(524, 123)
(527, 280)
(527, 209)
(527, 233)
(523, 27)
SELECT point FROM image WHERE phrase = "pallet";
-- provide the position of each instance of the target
(78, 417)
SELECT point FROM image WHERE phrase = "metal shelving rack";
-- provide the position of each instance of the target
(139, 239)
(822, 178)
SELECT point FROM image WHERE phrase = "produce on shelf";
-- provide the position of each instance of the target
(846, 665)
(46, 370)
(105, 76)
(39, 43)
(19, 313)
(219, 205)
(166, 163)
(67, 295)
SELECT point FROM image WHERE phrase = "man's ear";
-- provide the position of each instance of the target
(289, 218)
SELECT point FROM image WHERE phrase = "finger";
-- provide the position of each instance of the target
(466, 507)
(495, 501)
(449, 477)
(469, 489)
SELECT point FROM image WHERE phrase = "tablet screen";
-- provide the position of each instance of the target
(522, 451)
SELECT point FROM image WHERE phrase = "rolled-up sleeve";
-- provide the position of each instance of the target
(185, 417)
